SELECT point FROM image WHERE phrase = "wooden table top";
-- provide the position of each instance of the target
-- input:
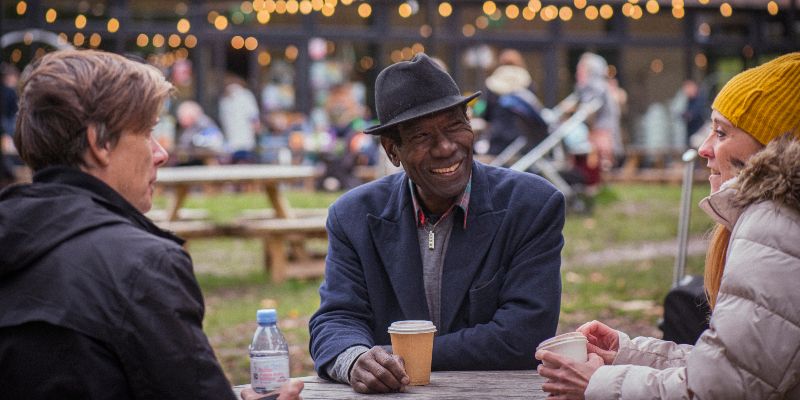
(233, 173)
(444, 385)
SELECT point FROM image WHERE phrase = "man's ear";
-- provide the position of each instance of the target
(391, 150)
(96, 155)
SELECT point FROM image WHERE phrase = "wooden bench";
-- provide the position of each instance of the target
(278, 234)
(269, 213)
(184, 214)
(194, 229)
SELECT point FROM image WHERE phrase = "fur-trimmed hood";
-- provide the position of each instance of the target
(772, 174)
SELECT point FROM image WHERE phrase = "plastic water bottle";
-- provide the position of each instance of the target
(269, 354)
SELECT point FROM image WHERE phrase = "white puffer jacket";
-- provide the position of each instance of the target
(752, 349)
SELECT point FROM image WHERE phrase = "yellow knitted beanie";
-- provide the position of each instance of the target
(764, 101)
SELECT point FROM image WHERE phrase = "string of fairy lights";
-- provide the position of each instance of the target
(262, 12)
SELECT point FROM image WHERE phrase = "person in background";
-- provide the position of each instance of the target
(591, 83)
(98, 302)
(694, 113)
(200, 139)
(474, 249)
(345, 115)
(8, 113)
(512, 108)
(8, 100)
(240, 120)
(752, 347)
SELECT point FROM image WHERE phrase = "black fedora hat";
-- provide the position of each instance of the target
(412, 89)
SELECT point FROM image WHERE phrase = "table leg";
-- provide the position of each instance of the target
(277, 263)
(279, 202)
(176, 201)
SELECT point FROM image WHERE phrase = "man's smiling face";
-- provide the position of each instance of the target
(436, 153)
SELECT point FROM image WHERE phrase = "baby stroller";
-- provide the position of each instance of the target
(548, 157)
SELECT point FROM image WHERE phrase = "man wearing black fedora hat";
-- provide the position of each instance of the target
(473, 248)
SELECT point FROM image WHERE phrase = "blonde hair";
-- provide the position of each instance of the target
(715, 263)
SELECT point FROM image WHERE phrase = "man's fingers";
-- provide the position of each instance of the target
(373, 374)
(389, 371)
(399, 360)
(396, 366)
(363, 381)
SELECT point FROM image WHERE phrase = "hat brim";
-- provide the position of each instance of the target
(420, 111)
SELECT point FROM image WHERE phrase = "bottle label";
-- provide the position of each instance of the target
(269, 372)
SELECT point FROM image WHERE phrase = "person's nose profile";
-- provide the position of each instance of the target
(706, 150)
(160, 155)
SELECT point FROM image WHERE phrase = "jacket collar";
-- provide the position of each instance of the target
(103, 194)
(719, 205)
(395, 232)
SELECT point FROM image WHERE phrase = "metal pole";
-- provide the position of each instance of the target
(688, 157)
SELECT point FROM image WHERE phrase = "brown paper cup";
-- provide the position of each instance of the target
(413, 340)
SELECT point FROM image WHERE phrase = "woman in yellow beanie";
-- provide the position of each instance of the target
(752, 348)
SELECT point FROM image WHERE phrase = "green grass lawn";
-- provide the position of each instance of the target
(626, 295)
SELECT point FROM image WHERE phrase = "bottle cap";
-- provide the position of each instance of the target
(267, 316)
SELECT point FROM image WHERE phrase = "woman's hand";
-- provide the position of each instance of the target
(288, 391)
(566, 378)
(603, 340)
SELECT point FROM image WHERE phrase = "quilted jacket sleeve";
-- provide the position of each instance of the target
(753, 345)
(645, 368)
(651, 352)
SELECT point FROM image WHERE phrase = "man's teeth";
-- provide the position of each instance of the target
(446, 170)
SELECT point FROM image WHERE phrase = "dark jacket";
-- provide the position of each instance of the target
(512, 115)
(501, 286)
(97, 302)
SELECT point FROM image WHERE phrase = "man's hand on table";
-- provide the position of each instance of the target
(377, 371)
(288, 391)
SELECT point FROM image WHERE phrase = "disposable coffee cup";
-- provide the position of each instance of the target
(571, 345)
(413, 340)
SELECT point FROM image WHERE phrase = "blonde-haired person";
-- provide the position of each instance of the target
(752, 348)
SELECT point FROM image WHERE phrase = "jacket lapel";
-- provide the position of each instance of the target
(466, 252)
(395, 235)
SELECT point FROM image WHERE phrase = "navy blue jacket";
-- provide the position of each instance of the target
(501, 285)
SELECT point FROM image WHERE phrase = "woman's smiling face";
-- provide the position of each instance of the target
(727, 149)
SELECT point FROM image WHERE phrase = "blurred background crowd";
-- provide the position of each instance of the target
(290, 81)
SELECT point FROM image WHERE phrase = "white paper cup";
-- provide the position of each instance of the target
(571, 345)
(413, 340)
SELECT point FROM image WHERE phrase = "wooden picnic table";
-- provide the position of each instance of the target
(284, 227)
(270, 177)
(444, 385)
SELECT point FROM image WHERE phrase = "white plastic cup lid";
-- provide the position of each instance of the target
(412, 326)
